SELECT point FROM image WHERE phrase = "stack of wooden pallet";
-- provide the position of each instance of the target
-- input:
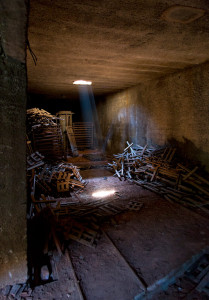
(156, 170)
(48, 141)
(45, 134)
(38, 117)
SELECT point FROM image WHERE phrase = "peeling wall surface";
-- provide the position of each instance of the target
(172, 110)
(13, 242)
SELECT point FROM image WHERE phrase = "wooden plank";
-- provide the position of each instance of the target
(196, 175)
(189, 174)
(71, 137)
(204, 281)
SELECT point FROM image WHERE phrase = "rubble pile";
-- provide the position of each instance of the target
(50, 181)
(158, 171)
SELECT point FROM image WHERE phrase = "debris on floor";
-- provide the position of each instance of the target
(34, 160)
(193, 283)
(55, 218)
(79, 231)
(48, 183)
(199, 274)
(87, 233)
(49, 190)
(17, 292)
(157, 171)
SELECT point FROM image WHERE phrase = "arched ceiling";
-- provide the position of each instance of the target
(115, 44)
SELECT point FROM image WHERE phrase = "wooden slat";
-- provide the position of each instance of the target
(84, 134)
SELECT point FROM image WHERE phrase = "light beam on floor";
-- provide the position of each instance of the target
(103, 193)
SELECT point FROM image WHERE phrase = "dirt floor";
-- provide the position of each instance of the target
(136, 249)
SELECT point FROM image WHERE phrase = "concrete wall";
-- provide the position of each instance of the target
(13, 242)
(171, 110)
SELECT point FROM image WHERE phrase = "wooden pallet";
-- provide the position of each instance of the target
(34, 160)
(84, 134)
(156, 171)
(199, 274)
(48, 141)
(82, 234)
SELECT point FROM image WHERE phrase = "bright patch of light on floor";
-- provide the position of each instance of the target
(82, 82)
(102, 193)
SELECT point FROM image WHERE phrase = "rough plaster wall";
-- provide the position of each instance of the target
(171, 110)
(13, 245)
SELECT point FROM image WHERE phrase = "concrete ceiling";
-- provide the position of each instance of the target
(113, 43)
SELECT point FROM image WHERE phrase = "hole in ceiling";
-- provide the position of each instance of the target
(82, 82)
(182, 14)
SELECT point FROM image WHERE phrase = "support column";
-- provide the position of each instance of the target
(13, 94)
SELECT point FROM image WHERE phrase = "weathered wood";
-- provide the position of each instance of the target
(189, 174)
(196, 175)
(145, 167)
(72, 141)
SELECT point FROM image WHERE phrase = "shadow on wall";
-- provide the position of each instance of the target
(126, 125)
(116, 137)
(134, 124)
(189, 153)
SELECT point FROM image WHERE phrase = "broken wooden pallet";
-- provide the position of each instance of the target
(17, 291)
(199, 274)
(149, 168)
(34, 160)
(82, 233)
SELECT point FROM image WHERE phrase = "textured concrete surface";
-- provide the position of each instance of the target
(172, 110)
(155, 241)
(13, 245)
(13, 15)
(115, 44)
